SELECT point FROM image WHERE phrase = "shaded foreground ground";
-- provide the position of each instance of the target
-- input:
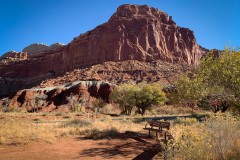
(128, 146)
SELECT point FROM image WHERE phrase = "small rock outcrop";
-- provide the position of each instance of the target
(52, 98)
(40, 47)
(14, 55)
(36, 48)
(56, 45)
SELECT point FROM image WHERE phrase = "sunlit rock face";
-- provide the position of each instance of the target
(40, 47)
(133, 32)
(137, 32)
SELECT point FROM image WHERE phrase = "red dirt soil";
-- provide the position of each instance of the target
(131, 147)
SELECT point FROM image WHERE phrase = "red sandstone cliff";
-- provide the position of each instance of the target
(132, 33)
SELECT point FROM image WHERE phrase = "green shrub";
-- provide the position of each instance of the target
(100, 134)
(76, 123)
(185, 121)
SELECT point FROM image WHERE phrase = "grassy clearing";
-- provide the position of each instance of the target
(217, 137)
(15, 132)
(97, 129)
(23, 130)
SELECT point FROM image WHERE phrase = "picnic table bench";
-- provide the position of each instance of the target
(160, 127)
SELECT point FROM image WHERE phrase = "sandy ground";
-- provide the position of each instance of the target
(131, 146)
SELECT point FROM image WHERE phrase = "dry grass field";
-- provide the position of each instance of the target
(98, 136)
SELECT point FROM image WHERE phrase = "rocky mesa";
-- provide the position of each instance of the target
(133, 33)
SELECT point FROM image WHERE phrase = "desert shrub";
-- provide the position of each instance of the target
(107, 118)
(59, 114)
(67, 116)
(4, 106)
(76, 123)
(152, 111)
(37, 120)
(110, 109)
(185, 121)
(99, 104)
(79, 114)
(218, 138)
(76, 103)
(200, 116)
(40, 101)
(45, 114)
(173, 110)
(100, 134)
(138, 120)
(16, 109)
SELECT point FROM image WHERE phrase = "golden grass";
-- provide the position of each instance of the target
(22, 132)
(177, 110)
(16, 128)
(217, 138)
(104, 128)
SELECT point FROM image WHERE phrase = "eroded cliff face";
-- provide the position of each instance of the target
(136, 32)
(132, 33)
(59, 98)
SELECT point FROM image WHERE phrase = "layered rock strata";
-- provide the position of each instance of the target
(134, 32)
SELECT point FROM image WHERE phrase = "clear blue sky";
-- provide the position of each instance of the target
(23, 22)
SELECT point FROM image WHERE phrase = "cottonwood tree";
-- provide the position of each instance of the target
(143, 96)
(124, 96)
(147, 95)
(188, 91)
(216, 82)
(221, 74)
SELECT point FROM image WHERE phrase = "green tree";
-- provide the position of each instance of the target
(141, 95)
(124, 96)
(221, 74)
(215, 81)
(189, 91)
(147, 95)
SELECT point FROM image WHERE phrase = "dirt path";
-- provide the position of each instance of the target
(131, 147)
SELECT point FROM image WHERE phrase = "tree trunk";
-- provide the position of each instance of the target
(143, 112)
(224, 106)
(192, 105)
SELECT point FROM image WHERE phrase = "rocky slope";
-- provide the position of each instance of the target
(130, 71)
(58, 98)
(139, 37)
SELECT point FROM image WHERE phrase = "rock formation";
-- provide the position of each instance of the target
(12, 56)
(52, 98)
(39, 47)
(36, 48)
(140, 37)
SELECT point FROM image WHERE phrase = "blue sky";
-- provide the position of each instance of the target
(216, 23)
